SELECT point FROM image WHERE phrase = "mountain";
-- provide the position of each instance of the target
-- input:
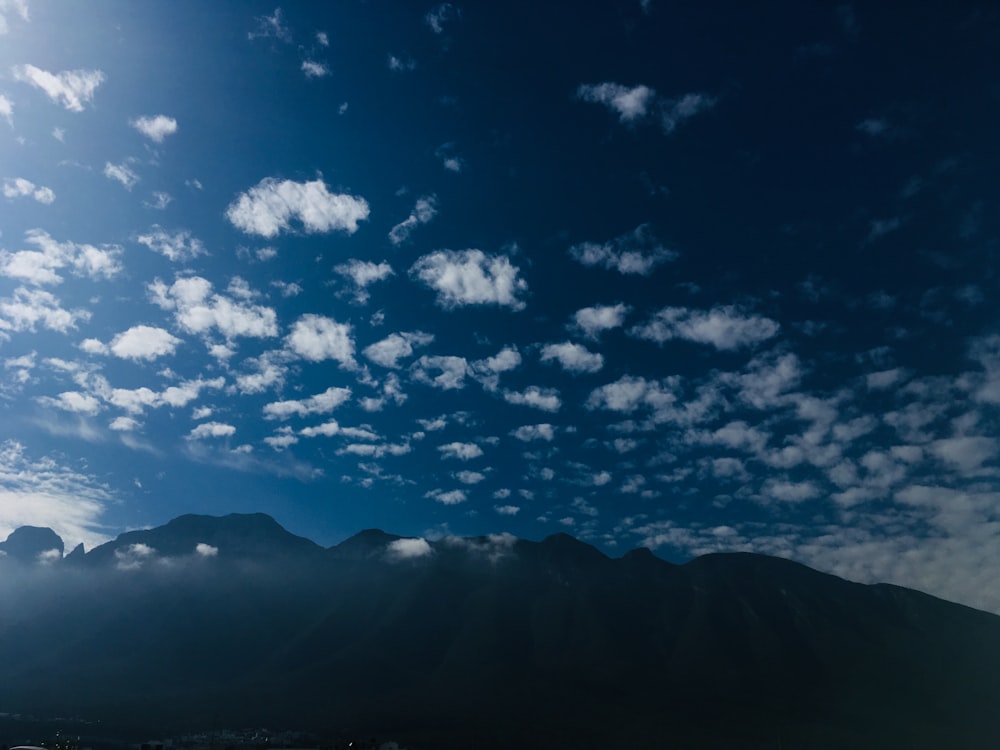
(29, 544)
(492, 642)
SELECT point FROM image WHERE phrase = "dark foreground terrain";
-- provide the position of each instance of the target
(488, 642)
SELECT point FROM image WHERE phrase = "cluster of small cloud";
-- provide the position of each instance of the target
(18, 187)
(122, 174)
(363, 273)
(471, 277)
(636, 252)
(268, 208)
(179, 246)
(156, 128)
(73, 89)
(44, 264)
(635, 103)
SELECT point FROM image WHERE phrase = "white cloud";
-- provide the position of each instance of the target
(143, 343)
(271, 27)
(635, 252)
(592, 321)
(546, 399)
(321, 403)
(73, 401)
(323, 38)
(471, 277)
(269, 207)
(179, 246)
(30, 307)
(73, 89)
(155, 128)
(635, 103)
(137, 400)
(629, 103)
(423, 211)
(461, 451)
(400, 64)
(470, 477)
(316, 338)
(789, 492)
(124, 424)
(41, 266)
(314, 69)
(212, 430)
(18, 187)
(396, 346)
(44, 492)
(440, 15)
(507, 510)
(198, 310)
(408, 549)
(206, 550)
(535, 432)
(487, 371)
(967, 454)
(121, 173)
(726, 327)
(451, 497)
(451, 371)
(7, 110)
(573, 357)
(363, 273)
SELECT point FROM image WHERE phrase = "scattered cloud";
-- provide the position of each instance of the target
(269, 207)
(143, 343)
(573, 357)
(636, 103)
(18, 187)
(121, 173)
(441, 14)
(636, 252)
(461, 451)
(156, 128)
(727, 328)
(212, 430)
(313, 69)
(180, 246)
(43, 264)
(424, 210)
(73, 89)
(317, 338)
(440, 371)
(197, 309)
(363, 273)
(593, 321)
(546, 399)
(395, 347)
(528, 432)
(321, 403)
(7, 110)
(471, 277)
(451, 497)
(271, 27)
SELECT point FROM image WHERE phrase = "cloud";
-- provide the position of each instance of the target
(395, 346)
(440, 15)
(573, 357)
(461, 451)
(363, 273)
(18, 187)
(74, 402)
(42, 265)
(314, 69)
(487, 371)
(452, 497)
(727, 328)
(451, 371)
(206, 550)
(446, 153)
(317, 338)
(530, 432)
(269, 208)
(636, 103)
(400, 64)
(7, 110)
(137, 400)
(160, 201)
(967, 454)
(271, 27)
(198, 310)
(73, 89)
(143, 343)
(507, 510)
(408, 549)
(45, 492)
(636, 252)
(121, 173)
(471, 277)
(321, 403)
(179, 246)
(789, 492)
(423, 211)
(546, 399)
(593, 321)
(155, 128)
(629, 103)
(30, 307)
(469, 477)
(212, 430)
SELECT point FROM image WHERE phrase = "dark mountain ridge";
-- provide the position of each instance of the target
(490, 641)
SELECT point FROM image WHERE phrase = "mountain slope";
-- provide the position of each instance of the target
(494, 641)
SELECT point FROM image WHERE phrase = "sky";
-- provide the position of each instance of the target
(692, 276)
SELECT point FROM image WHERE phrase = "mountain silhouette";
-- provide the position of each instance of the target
(29, 543)
(491, 642)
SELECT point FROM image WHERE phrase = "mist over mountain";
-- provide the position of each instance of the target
(485, 641)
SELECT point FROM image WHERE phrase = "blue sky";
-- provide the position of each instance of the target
(691, 278)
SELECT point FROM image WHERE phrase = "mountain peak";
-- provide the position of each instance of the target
(28, 543)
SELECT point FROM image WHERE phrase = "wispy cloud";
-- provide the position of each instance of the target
(73, 89)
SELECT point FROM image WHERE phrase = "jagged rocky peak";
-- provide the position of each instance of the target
(32, 543)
